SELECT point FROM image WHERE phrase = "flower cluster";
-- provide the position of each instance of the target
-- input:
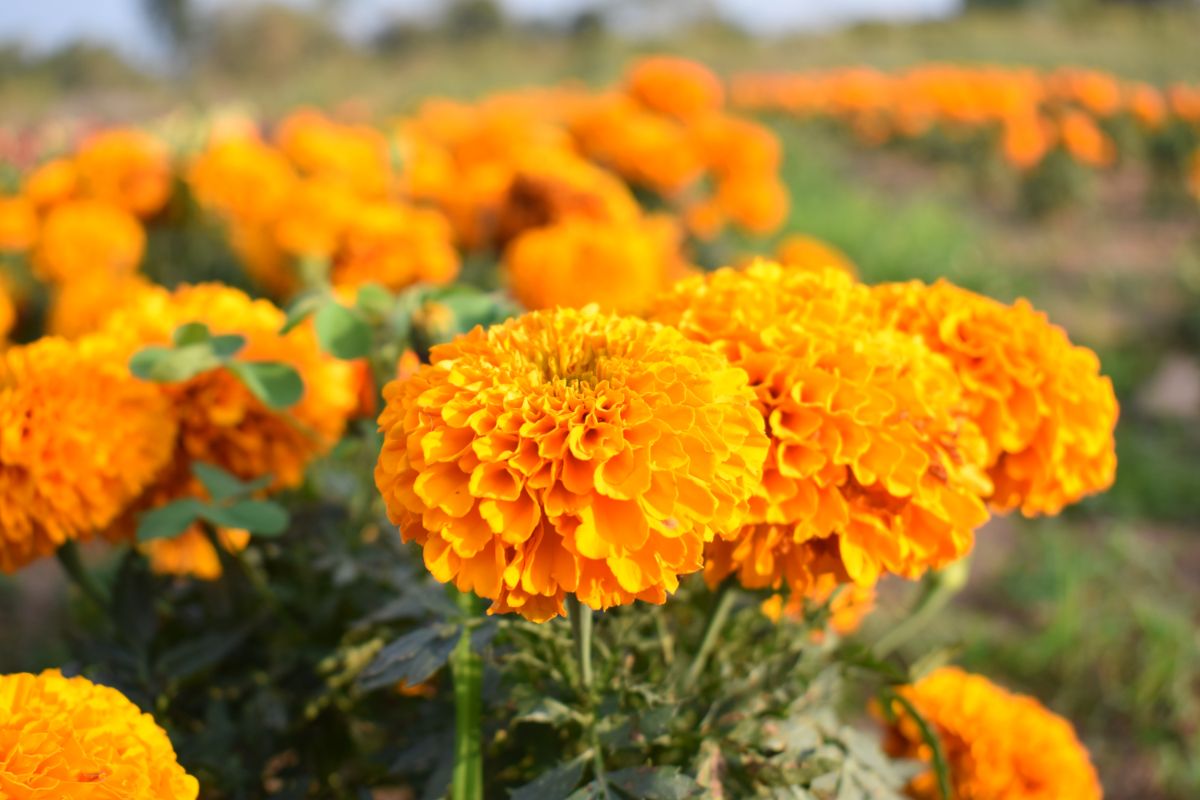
(998, 745)
(71, 739)
(569, 452)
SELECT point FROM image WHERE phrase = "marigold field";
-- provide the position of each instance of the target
(706, 428)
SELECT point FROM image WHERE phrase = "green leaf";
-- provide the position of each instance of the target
(167, 365)
(654, 783)
(190, 333)
(374, 299)
(342, 332)
(168, 521)
(413, 658)
(145, 361)
(940, 768)
(277, 385)
(227, 345)
(301, 309)
(193, 656)
(557, 783)
(260, 517)
(220, 484)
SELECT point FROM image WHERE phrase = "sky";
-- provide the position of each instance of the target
(43, 24)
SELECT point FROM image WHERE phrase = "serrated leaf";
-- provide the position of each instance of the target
(260, 517)
(168, 521)
(220, 484)
(591, 791)
(342, 332)
(278, 385)
(413, 658)
(654, 783)
(227, 345)
(190, 333)
(556, 784)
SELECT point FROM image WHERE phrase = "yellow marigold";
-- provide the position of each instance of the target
(86, 237)
(1044, 408)
(71, 739)
(220, 421)
(82, 306)
(127, 168)
(395, 246)
(80, 439)
(619, 265)
(18, 224)
(242, 179)
(52, 183)
(998, 745)
(568, 452)
(808, 252)
(192, 554)
(674, 86)
(873, 466)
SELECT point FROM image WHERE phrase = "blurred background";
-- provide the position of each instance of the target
(1095, 612)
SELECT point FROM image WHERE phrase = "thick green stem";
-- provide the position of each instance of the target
(938, 589)
(723, 606)
(72, 564)
(467, 669)
(581, 632)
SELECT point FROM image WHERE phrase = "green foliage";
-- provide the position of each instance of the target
(229, 505)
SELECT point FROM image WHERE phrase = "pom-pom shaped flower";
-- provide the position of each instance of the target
(83, 306)
(127, 168)
(18, 224)
(71, 739)
(1044, 408)
(809, 252)
(242, 180)
(569, 452)
(395, 246)
(621, 266)
(84, 237)
(80, 439)
(675, 86)
(998, 745)
(873, 466)
(52, 183)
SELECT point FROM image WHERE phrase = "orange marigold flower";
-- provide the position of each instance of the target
(1148, 106)
(127, 168)
(674, 86)
(80, 439)
(1044, 408)
(192, 554)
(619, 265)
(8, 313)
(1085, 141)
(242, 179)
(315, 217)
(18, 224)
(86, 237)
(873, 465)
(395, 246)
(82, 306)
(71, 739)
(757, 203)
(735, 146)
(568, 452)
(1026, 139)
(809, 252)
(848, 605)
(998, 745)
(353, 155)
(52, 183)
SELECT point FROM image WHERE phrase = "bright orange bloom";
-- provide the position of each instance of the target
(758, 204)
(1085, 141)
(71, 739)
(18, 224)
(621, 266)
(846, 609)
(1148, 106)
(192, 554)
(395, 246)
(127, 168)
(87, 237)
(355, 156)
(243, 180)
(52, 183)
(1044, 408)
(8, 313)
(82, 306)
(568, 452)
(1026, 139)
(80, 439)
(808, 252)
(873, 465)
(998, 745)
(674, 86)
(315, 217)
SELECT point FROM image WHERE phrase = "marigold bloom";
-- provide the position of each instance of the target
(1084, 140)
(757, 203)
(353, 155)
(873, 466)
(18, 224)
(80, 439)
(847, 608)
(52, 183)
(71, 739)
(127, 168)
(675, 86)
(998, 745)
(242, 179)
(568, 452)
(85, 237)
(221, 422)
(192, 554)
(8, 313)
(395, 246)
(82, 306)
(315, 217)
(1026, 139)
(619, 265)
(809, 252)
(1044, 408)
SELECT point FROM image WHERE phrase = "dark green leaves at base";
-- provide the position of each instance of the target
(413, 658)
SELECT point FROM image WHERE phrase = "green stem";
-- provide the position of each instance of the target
(72, 564)
(722, 607)
(938, 589)
(467, 669)
(581, 633)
